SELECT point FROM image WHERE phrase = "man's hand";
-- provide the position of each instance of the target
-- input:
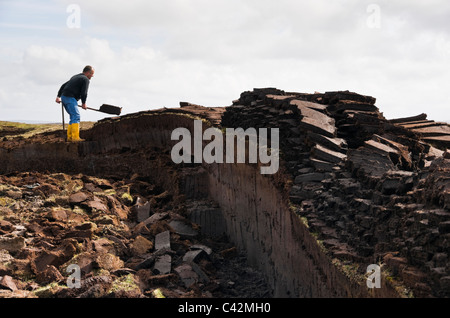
(58, 100)
(84, 106)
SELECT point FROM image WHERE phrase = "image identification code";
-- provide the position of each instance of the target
(226, 307)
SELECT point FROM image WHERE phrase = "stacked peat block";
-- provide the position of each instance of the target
(371, 189)
(435, 133)
(327, 150)
(266, 108)
(307, 133)
(356, 116)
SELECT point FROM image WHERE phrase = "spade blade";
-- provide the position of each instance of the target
(110, 109)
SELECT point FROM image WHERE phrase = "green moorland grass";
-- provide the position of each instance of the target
(10, 129)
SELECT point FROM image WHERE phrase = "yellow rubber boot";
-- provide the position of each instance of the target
(76, 132)
(69, 133)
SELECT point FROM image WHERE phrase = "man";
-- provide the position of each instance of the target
(69, 94)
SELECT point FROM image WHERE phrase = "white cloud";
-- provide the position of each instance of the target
(150, 54)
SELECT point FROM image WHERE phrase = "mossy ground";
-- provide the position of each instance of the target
(10, 129)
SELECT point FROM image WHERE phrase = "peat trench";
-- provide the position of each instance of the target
(352, 189)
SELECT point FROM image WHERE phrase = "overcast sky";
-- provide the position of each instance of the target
(154, 53)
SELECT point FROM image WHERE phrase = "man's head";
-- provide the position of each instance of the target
(88, 71)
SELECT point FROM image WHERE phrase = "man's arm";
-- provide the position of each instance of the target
(58, 96)
(84, 91)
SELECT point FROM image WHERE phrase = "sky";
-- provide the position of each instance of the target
(149, 54)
